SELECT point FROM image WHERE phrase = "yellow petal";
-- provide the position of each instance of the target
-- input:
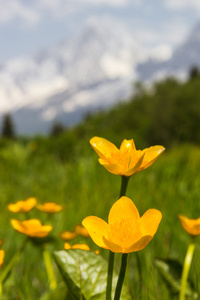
(80, 230)
(135, 168)
(32, 227)
(97, 228)
(150, 221)
(112, 168)
(2, 255)
(68, 235)
(191, 226)
(127, 146)
(124, 208)
(67, 246)
(22, 205)
(81, 247)
(151, 154)
(103, 147)
(140, 244)
(112, 246)
(49, 207)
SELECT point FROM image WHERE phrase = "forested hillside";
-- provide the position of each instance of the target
(168, 113)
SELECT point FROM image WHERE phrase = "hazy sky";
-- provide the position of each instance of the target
(27, 26)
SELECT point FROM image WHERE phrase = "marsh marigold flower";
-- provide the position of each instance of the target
(191, 226)
(49, 207)
(82, 231)
(125, 231)
(68, 235)
(2, 255)
(22, 206)
(67, 246)
(31, 228)
(126, 160)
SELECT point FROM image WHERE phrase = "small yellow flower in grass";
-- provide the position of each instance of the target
(67, 246)
(22, 206)
(126, 160)
(68, 235)
(191, 226)
(80, 230)
(49, 207)
(125, 231)
(2, 255)
(31, 228)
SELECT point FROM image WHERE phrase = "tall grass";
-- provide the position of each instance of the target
(84, 187)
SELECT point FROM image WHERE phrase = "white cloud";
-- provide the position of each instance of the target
(14, 9)
(31, 12)
(183, 4)
(170, 33)
(61, 8)
(161, 53)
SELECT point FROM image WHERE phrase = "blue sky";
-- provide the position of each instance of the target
(26, 26)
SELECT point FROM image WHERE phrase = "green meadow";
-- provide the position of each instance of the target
(85, 188)
(65, 169)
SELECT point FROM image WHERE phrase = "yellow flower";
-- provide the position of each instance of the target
(80, 230)
(49, 207)
(2, 255)
(126, 160)
(191, 226)
(125, 231)
(68, 235)
(67, 246)
(32, 227)
(23, 206)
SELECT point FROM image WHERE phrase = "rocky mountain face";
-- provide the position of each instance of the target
(186, 56)
(89, 72)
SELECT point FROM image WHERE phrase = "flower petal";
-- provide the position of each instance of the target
(191, 226)
(81, 247)
(151, 154)
(112, 168)
(127, 145)
(123, 208)
(150, 221)
(2, 256)
(103, 147)
(140, 244)
(136, 168)
(112, 246)
(32, 227)
(97, 228)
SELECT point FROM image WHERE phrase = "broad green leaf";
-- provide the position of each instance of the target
(171, 271)
(85, 274)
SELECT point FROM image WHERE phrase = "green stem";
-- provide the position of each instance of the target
(1, 295)
(186, 268)
(110, 275)
(124, 184)
(49, 269)
(121, 276)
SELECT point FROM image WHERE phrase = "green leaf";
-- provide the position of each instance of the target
(171, 271)
(85, 274)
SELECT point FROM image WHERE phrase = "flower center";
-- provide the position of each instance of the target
(125, 232)
(126, 159)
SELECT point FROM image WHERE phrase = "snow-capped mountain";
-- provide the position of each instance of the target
(91, 71)
(186, 56)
